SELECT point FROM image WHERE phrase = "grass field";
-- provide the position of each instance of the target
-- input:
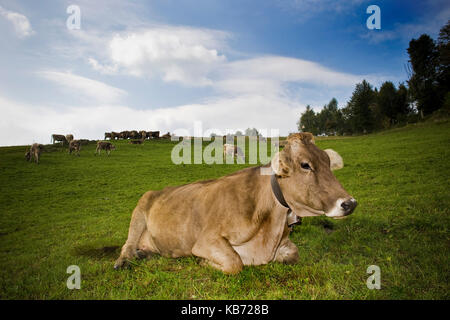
(72, 210)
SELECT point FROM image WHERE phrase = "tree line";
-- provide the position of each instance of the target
(369, 109)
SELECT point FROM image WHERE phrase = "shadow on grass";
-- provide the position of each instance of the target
(97, 252)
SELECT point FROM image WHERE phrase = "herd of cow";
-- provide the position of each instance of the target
(75, 145)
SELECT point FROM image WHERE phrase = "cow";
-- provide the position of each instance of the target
(34, 152)
(240, 219)
(133, 134)
(104, 145)
(124, 135)
(234, 151)
(140, 141)
(153, 134)
(69, 137)
(143, 134)
(115, 135)
(75, 145)
(59, 138)
(108, 135)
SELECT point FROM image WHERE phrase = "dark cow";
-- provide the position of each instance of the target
(143, 134)
(153, 134)
(134, 134)
(115, 135)
(59, 138)
(108, 135)
(34, 152)
(104, 145)
(75, 145)
(124, 135)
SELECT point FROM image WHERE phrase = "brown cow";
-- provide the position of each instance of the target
(240, 219)
(124, 135)
(153, 134)
(34, 152)
(108, 135)
(69, 137)
(231, 149)
(59, 138)
(75, 145)
(115, 135)
(104, 145)
(143, 134)
(140, 141)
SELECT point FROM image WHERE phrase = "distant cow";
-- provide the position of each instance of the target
(140, 141)
(108, 135)
(104, 145)
(75, 145)
(231, 149)
(143, 134)
(59, 138)
(153, 134)
(115, 135)
(34, 152)
(124, 134)
(134, 134)
(166, 136)
(69, 137)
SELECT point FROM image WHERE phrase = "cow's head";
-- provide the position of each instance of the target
(306, 180)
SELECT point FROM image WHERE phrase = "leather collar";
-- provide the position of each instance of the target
(292, 217)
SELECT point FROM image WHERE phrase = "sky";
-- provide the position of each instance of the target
(172, 65)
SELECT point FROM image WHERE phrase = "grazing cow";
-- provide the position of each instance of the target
(240, 219)
(75, 145)
(104, 145)
(108, 135)
(140, 141)
(34, 152)
(234, 151)
(69, 137)
(59, 138)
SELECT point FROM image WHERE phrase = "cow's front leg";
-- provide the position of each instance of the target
(219, 253)
(287, 252)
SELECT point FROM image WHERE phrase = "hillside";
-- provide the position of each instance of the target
(72, 210)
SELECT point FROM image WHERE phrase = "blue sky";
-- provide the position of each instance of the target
(164, 65)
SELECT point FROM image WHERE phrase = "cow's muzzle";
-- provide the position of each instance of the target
(349, 206)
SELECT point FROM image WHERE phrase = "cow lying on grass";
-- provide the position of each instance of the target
(234, 151)
(34, 152)
(240, 219)
(104, 145)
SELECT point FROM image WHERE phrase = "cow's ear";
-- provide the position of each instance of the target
(279, 167)
(336, 161)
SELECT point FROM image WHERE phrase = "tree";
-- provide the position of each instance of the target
(308, 121)
(443, 45)
(423, 59)
(359, 109)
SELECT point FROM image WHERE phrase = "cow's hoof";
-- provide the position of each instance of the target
(121, 264)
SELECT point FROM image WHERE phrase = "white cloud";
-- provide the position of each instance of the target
(20, 22)
(175, 54)
(87, 88)
(37, 123)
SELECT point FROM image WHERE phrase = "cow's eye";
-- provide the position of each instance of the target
(305, 166)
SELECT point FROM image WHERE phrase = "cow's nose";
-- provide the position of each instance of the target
(348, 206)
